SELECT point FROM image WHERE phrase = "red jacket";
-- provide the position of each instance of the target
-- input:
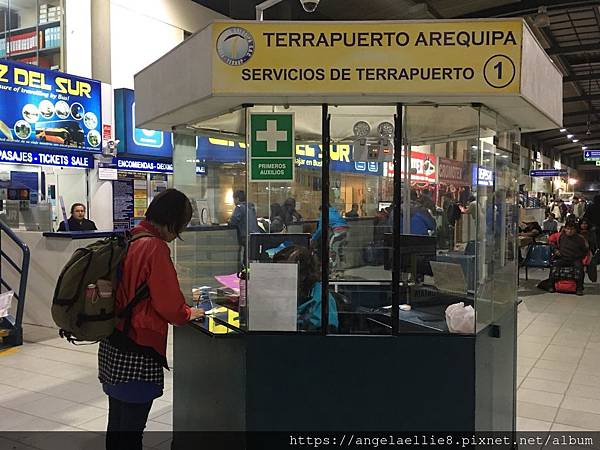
(149, 259)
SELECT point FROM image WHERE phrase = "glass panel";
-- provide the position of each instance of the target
(281, 216)
(439, 216)
(505, 260)
(208, 257)
(361, 199)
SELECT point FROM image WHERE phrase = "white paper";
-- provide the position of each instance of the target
(5, 302)
(273, 297)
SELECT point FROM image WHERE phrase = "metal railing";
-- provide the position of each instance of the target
(11, 328)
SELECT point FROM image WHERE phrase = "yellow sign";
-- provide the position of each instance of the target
(479, 57)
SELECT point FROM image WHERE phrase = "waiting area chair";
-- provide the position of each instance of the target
(539, 255)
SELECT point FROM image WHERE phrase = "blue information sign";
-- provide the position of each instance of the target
(591, 155)
(62, 159)
(548, 173)
(146, 165)
(48, 109)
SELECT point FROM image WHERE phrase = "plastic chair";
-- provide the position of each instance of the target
(539, 256)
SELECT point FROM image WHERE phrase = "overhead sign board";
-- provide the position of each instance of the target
(310, 156)
(63, 159)
(48, 109)
(145, 165)
(548, 173)
(482, 57)
(591, 155)
(271, 147)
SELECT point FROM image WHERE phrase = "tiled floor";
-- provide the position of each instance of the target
(48, 384)
(558, 364)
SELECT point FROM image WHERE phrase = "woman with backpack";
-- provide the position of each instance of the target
(131, 360)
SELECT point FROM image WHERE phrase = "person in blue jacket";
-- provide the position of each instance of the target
(243, 219)
(421, 221)
(309, 288)
(337, 239)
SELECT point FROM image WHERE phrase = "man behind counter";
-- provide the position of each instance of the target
(77, 221)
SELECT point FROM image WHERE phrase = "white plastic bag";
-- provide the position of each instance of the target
(5, 302)
(460, 319)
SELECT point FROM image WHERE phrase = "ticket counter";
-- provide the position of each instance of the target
(322, 317)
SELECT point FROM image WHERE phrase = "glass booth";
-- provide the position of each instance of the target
(405, 289)
(422, 215)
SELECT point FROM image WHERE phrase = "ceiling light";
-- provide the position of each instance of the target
(542, 19)
(562, 130)
(570, 136)
(575, 140)
(584, 147)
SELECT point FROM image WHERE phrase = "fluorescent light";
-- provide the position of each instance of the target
(562, 130)
(569, 136)
(584, 148)
(575, 140)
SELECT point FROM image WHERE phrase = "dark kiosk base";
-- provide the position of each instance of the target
(297, 383)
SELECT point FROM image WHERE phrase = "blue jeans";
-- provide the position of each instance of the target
(126, 423)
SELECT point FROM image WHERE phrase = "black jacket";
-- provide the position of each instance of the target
(75, 225)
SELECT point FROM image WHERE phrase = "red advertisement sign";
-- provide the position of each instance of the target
(106, 132)
(423, 167)
(453, 172)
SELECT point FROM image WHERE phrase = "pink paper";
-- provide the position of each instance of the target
(231, 281)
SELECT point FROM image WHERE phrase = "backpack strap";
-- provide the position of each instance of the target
(141, 293)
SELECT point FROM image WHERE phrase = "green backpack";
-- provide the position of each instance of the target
(83, 306)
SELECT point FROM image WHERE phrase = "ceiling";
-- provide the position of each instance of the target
(572, 39)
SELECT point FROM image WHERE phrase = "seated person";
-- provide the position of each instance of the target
(550, 225)
(570, 250)
(529, 228)
(585, 230)
(353, 213)
(77, 221)
(337, 238)
(309, 288)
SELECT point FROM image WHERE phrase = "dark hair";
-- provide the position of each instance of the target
(308, 267)
(276, 225)
(240, 195)
(571, 224)
(75, 205)
(354, 204)
(587, 222)
(276, 211)
(172, 209)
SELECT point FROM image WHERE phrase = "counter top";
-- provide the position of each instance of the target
(79, 234)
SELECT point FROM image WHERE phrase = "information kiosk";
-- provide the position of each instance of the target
(327, 339)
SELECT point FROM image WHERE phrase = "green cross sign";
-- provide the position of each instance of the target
(271, 147)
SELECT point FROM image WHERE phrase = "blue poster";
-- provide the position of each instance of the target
(26, 179)
(48, 109)
(137, 141)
